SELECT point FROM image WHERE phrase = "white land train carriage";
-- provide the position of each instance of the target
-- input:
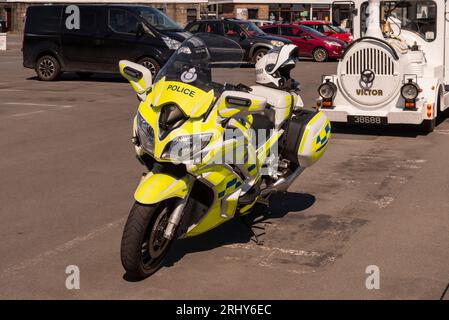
(397, 74)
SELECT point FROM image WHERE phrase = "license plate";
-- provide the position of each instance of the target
(368, 120)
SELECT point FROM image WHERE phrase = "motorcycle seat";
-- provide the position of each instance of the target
(280, 102)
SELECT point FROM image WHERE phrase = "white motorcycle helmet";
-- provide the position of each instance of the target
(273, 69)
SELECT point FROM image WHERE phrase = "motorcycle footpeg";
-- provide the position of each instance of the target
(263, 201)
(250, 196)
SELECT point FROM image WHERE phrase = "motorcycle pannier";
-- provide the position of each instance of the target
(308, 133)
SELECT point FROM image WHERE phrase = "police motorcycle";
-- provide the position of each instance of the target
(212, 150)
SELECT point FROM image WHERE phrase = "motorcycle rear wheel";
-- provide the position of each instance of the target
(143, 246)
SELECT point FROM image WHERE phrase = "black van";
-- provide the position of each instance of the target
(56, 41)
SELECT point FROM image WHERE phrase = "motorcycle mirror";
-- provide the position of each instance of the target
(240, 103)
(138, 76)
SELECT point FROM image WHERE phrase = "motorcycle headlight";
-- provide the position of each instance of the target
(409, 91)
(145, 133)
(172, 44)
(185, 147)
(327, 90)
(276, 43)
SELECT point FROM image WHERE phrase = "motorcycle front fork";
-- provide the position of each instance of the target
(175, 218)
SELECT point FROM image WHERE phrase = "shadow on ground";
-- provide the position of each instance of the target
(236, 230)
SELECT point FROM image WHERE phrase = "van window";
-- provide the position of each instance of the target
(157, 19)
(43, 19)
(122, 21)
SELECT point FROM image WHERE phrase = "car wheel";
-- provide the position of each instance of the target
(320, 55)
(150, 64)
(48, 68)
(259, 55)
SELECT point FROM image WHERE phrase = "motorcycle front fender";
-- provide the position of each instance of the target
(156, 187)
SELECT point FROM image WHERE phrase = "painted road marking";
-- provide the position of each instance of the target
(42, 91)
(35, 104)
(29, 104)
(27, 113)
(293, 252)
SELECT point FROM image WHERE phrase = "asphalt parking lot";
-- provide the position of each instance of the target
(68, 173)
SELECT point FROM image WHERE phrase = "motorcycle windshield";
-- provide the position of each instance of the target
(187, 78)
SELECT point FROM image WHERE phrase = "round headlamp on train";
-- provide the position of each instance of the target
(409, 91)
(327, 90)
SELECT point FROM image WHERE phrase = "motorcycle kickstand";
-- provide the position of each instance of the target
(256, 227)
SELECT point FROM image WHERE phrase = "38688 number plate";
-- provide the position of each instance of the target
(368, 120)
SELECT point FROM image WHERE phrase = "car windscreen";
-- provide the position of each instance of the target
(336, 28)
(158, 19)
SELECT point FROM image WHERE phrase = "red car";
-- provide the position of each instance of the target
(310, 42)
(329, 30)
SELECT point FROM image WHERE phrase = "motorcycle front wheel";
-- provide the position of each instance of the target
(143, 246)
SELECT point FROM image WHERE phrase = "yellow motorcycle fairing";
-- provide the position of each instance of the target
(221, 178)
(226, 186)
(193, 101)
(156, 187)
(194, 108)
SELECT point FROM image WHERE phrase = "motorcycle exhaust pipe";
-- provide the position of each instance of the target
(175, 218)
(283, 183)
